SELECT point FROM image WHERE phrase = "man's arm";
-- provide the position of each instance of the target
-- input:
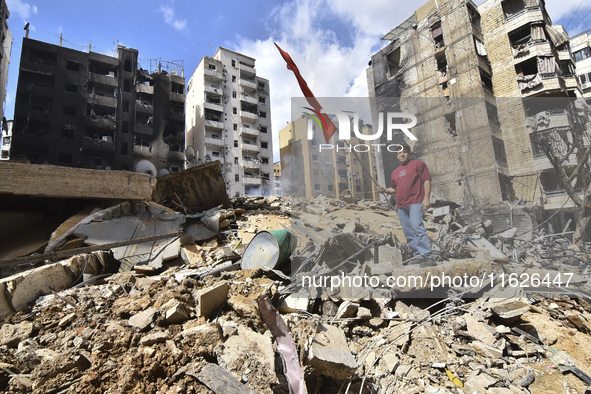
(389, 190)
(427, 199)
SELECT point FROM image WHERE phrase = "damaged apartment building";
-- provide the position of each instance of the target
(88, 110)
(229, 120)
(482, 81)
(339, 172)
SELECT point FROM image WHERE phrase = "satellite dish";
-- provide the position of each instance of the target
(190, 154)
(163, 172)
(145, 167)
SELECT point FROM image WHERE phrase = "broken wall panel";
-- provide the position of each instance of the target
(198, 188)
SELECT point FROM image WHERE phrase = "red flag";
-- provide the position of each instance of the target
(331, 128)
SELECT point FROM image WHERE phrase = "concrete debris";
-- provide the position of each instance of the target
(193, 323)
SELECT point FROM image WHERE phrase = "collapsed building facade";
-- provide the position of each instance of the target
(90, 110)
(479, 79)
(228, 119)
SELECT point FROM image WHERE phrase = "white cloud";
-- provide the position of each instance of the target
(20, 8)
(168, 13)
(331, 69)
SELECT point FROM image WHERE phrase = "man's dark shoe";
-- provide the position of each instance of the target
(427, 262)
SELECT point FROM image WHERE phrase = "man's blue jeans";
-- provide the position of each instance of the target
(411, 219)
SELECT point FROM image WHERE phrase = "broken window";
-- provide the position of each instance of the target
(71, 88)
(42, 57)
(234, 94)
(451, 124)
(69, 111)
(236, 177)
(68, 133)
(486, 80)
(474, 17)
(235, 160)
(126, 85)
(441, 63)
(499, 149)
(233, 78)
(72, 66)
(261, 99)
(211, 66)
(235, 126)
(582, 54)
(264, 145)
(480, 49)
(177, 88)
(512, 7)
(235, 143)
(233, 63)
(262, 114)
(263, 129)
(261, 86)
(437, 32)
(127, 66)
(393, 62)
(492, 113)
(234, 110)
(317, 187)
(264, 160)
(215, 154)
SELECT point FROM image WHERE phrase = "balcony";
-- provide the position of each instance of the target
(558, 199)
(144, 129)
(217, 89)
(247, 69)
(549, 120)
(214, 124)
(178, 97)
(213, 74)
(103, 79)
(101, 122)
(246, 116)
(524, 17)
(142, 151)
(248, 84)
(565, 55)
(214, 106)
(249, 99)
(572, 82)
(251, 180)
(102, 100)
(250, 164)
(210, 141)
(143, 108)
(176, 156)
(144, 88)
(175, 115)
(105, 145)
(250, 131)
(251, 148)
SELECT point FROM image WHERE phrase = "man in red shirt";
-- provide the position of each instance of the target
(411, 183)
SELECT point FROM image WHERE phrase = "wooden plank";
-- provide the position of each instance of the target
(56, 181)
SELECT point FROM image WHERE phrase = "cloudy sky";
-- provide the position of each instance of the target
(330, 40)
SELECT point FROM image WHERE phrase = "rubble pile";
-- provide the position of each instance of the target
(196, 322)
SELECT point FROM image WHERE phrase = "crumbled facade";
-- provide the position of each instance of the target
(90, 110)
(475, 75)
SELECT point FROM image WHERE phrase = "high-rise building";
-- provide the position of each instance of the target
(581, 49)
(277, 172)
(475, 76)
(90, 110)
(6, 47)
(338, 172)
(228, 118)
